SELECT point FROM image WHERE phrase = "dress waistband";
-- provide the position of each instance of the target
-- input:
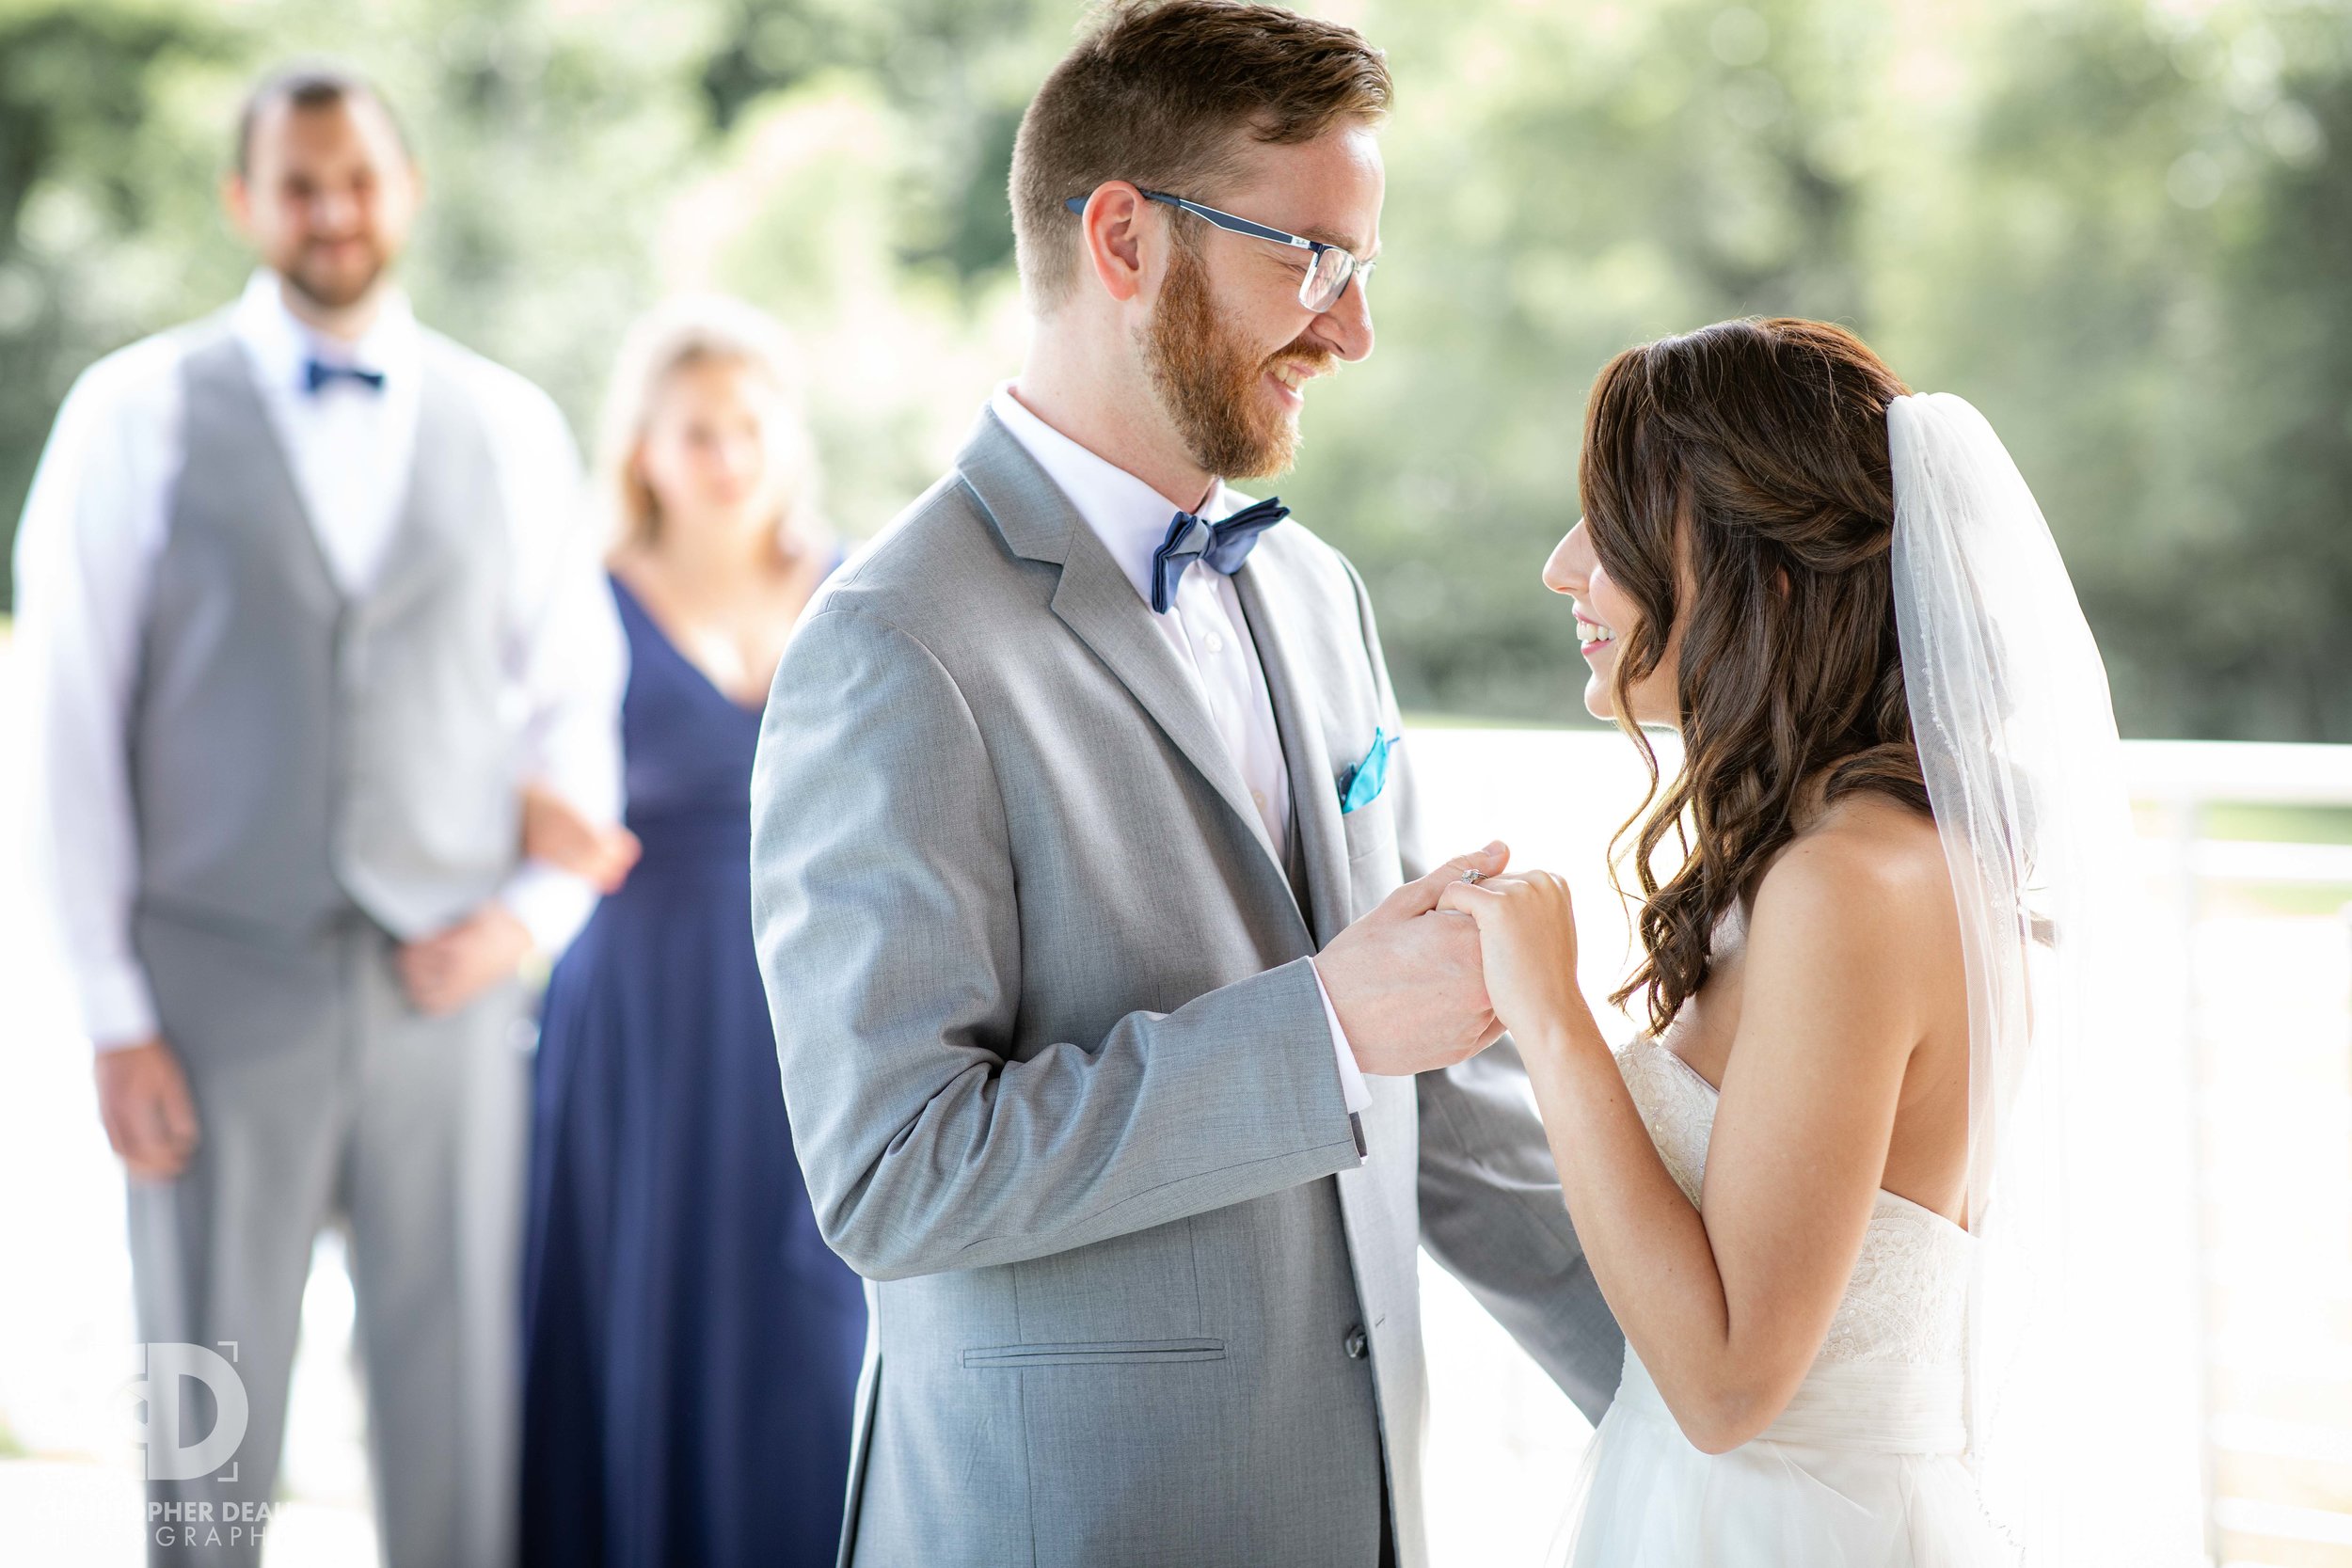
(1861, 1406)
(677, 840)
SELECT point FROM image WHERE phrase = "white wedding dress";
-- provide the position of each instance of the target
(1865, 1467)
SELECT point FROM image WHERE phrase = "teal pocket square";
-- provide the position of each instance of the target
(1361, 784)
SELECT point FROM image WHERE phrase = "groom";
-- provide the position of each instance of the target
(1117, 1046)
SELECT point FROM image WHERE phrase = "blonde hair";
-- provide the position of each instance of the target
(699, 329)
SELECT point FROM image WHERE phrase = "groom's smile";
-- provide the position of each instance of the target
(1290, 379)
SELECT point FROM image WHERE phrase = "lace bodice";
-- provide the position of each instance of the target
(1907, 1300)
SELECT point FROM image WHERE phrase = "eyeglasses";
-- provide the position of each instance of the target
(1330, 269)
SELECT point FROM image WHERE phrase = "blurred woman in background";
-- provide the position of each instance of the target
(691, 1346)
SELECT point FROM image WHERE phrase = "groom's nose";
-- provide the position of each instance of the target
(1346, 328)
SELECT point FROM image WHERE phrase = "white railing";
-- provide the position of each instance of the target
(2273, 1064)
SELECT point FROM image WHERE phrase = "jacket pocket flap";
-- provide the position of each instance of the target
(1130, 1351)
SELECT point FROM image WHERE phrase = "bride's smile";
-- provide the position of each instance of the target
(1605, 615)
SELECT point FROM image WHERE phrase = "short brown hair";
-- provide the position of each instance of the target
(1157, 92)
(310, 85)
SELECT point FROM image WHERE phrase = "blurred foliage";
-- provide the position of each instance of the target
(2123, 228)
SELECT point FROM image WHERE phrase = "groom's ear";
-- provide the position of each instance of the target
(1113, 236)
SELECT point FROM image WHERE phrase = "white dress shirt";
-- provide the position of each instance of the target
(94, 529)
(1205, 625)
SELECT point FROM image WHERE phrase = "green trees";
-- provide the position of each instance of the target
(2146, 280)
(87, 170)
(2276, 569)
(2123, 228)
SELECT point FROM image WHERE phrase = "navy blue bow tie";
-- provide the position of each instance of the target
(318, 372)
(1223, 545)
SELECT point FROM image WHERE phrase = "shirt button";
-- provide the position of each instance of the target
(1357, 1344)
(1259, 796)
(1217, 644)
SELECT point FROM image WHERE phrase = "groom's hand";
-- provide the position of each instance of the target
(1406, 979)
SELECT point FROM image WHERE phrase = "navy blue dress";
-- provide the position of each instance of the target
(691, 1344)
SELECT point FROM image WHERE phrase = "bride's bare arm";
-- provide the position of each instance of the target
(1727, 1304)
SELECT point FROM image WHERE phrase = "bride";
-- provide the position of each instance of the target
(1838, 1196)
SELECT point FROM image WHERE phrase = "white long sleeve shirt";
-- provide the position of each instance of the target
(94, 528)
(1205, 625)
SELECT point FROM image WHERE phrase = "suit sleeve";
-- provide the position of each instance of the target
(1492, 1213)
(885, 907)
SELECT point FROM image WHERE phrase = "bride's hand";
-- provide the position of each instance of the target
(1527, 941)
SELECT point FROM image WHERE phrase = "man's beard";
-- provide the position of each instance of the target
(330, 290)
(1208, 383)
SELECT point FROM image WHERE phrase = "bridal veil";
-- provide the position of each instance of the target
(2082, 1355)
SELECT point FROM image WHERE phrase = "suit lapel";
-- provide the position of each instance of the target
(1096, 601)
(1098, 604)
(1314, 792)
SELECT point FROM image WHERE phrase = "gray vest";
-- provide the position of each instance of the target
(294, 753)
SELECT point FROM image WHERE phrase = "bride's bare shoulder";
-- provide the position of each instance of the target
(1868, 868)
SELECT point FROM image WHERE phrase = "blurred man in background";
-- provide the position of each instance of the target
(304, 601)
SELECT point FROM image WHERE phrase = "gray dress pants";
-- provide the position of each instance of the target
(325, 1099)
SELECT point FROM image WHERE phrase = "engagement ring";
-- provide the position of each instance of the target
(1474, 877)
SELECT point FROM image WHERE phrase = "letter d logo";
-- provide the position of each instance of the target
(165, 1366)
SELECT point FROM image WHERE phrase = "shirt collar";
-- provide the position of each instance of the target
(282, 343)
(1128, 515)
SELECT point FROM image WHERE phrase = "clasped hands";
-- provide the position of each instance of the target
(143, 1097)
(1444, 966)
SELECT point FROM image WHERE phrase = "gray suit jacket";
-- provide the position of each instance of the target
(1060, 1080)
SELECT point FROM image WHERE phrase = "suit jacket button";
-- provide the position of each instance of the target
(1357, 1344)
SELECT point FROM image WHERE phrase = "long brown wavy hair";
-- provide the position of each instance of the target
(1737, 488)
